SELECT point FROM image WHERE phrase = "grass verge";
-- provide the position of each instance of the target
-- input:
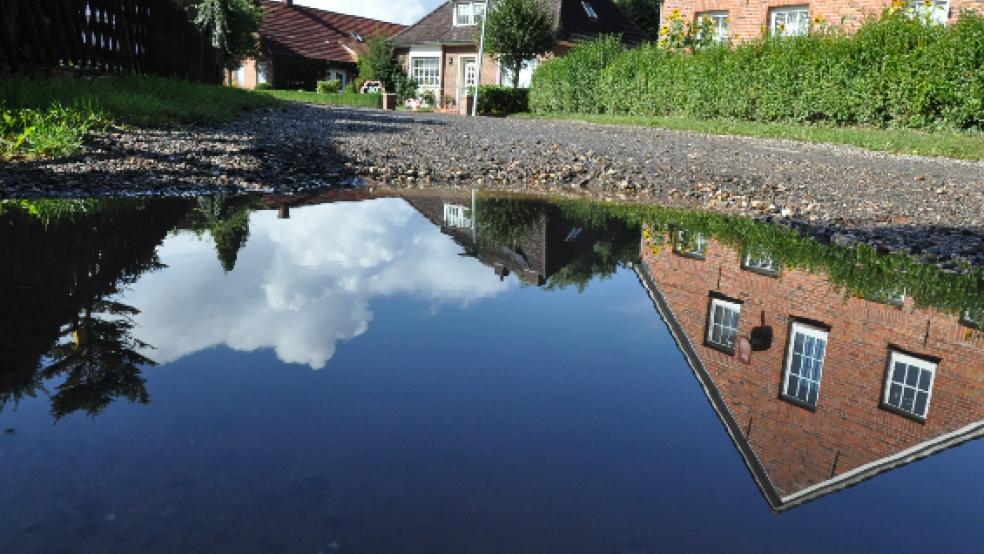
(345, 99)
(50, 117)
(947, 143)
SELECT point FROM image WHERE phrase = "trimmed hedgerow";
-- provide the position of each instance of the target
(500, 100)
(896, 71)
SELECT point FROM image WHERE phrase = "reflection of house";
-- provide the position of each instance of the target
(838, 388)
(547, 243)
(440, 51)
(300, 45)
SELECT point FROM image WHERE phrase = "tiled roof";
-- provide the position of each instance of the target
(316, 34)
(569, 16)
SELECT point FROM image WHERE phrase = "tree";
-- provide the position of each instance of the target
(379, 63)
(516, 31)
(644, 13)
(234, 25)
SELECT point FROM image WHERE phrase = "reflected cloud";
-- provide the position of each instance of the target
(302, 284)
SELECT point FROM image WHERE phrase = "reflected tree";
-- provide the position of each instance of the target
(60, 260)
(228, 223)
(99, 362)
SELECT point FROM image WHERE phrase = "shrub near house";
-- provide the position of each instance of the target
(896, 71)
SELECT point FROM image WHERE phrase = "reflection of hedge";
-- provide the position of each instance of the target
(860, 270)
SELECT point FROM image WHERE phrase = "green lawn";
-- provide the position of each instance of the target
(346, 99)
(950, 144)
(50, 117)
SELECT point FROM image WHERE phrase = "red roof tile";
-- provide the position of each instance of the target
(317, 34)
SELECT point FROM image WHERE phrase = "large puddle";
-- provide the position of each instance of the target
(452, 373)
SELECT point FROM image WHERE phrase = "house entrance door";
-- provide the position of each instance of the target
(469, 78)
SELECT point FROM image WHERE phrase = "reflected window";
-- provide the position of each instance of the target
(972, 319)
(457, 216)
(760, 263)
(690, 244)
(804, 364)
(589, 10)
(722, 324)
(909, 384)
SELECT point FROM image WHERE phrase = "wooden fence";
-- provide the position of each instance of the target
(152, 37)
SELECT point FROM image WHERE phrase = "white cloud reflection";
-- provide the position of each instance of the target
(303, 284)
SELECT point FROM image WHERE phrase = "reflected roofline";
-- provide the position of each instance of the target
(776, 502)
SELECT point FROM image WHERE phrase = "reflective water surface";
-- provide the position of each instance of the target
(451, 373)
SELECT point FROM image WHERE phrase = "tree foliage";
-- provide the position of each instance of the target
(644, 13)
(234, 25)
(379, 63)
(516, 31)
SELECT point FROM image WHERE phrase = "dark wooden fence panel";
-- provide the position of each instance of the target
(153, 37)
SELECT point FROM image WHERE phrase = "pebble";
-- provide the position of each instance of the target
(843, 194)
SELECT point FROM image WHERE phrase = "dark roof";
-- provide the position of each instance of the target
(570, 19)
(317, 34)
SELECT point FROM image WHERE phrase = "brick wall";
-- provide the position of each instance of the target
(750, 17)
(797, 447)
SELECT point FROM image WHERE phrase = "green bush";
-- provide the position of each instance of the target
(896, 71)
(329, 87)
(569, 84)
(264, 86)
(498, 100)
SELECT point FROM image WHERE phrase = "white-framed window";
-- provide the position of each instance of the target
(804, 363)
(589, 9)
(909, 384)
(457, 216)
(241, 76)
(722, 323)
(789, 21)
(760, 262)
(719, 25)
(426, 71)
(938, 11)
(467, 14)
(690, 244)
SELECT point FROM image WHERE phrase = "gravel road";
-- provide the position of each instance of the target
(928, 206)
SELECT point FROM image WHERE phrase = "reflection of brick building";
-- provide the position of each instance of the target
(798, 449)
(548, 244)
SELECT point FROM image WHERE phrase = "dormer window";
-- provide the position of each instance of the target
(589, 9)
(468, 13)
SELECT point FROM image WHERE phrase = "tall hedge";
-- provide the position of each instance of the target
(895, 71)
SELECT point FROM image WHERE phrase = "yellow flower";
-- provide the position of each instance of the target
(782, 27)
(675, 12)
(818, 20)
(928, 3)
(727, 20)
(664, 29)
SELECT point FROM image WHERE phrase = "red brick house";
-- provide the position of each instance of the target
(740, 20)
(301, 45)
(834, 389)
(441, 54)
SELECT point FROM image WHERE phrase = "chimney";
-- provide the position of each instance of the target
(289, 2)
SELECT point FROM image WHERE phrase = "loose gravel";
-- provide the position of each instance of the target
(930, 207)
